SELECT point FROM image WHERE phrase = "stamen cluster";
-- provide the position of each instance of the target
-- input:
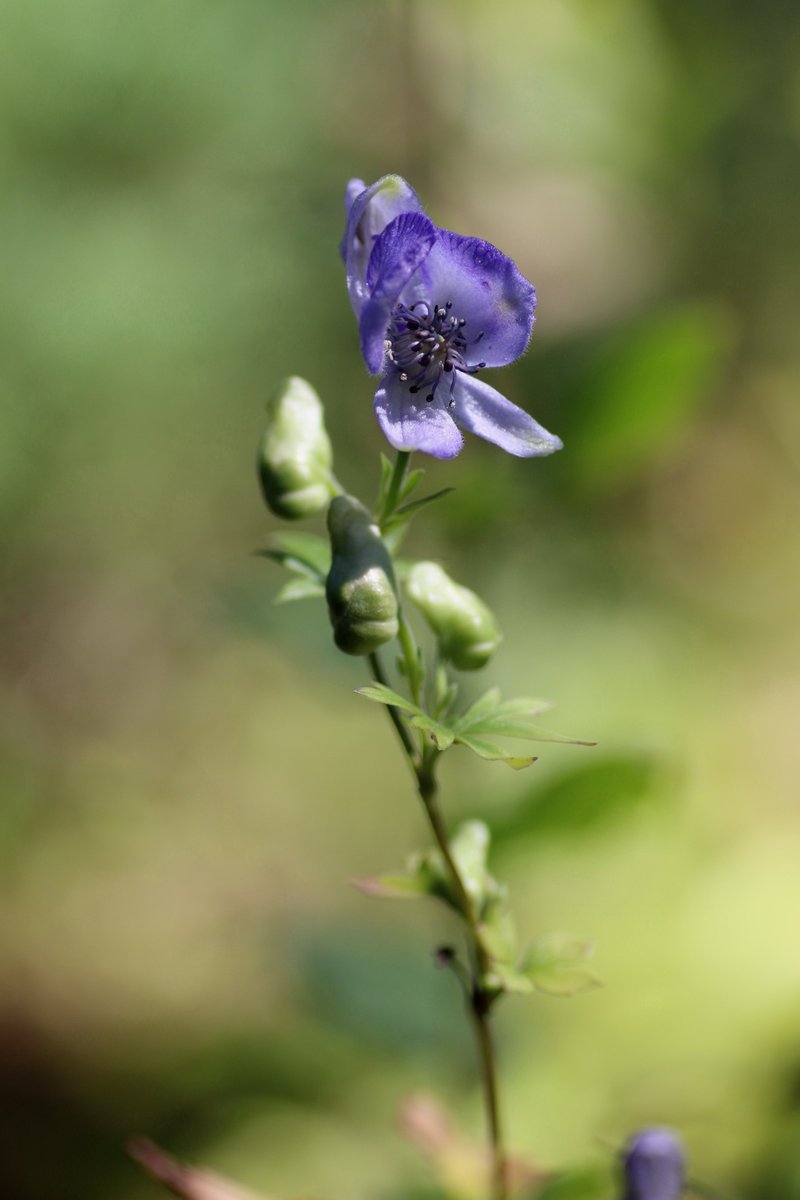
(425, 341)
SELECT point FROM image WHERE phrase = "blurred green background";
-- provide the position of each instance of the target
(189, 784)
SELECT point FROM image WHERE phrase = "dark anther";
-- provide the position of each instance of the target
(448, 366)
(413, 325)
(414, 388)
(429, 397)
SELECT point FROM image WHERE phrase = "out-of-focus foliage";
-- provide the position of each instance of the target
(187, 780)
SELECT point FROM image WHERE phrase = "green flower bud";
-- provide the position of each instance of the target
(360, 588)
(465, 628)
(295, 457)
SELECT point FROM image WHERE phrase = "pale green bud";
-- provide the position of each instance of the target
(295, 457)
(465, 628)
(360, 588)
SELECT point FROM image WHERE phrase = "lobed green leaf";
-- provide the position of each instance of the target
(301, 588)
(557, 963)
(494, 753)
(380, 694)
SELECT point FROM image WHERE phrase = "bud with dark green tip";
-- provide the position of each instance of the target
(360, 588)
(465, 628)
(295, 457)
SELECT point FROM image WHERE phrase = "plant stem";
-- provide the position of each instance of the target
(480, 997)
(483, 1033)
(379, 675)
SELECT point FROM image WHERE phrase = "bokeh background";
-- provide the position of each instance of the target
(188, 782)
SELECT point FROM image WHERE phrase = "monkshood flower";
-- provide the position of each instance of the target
(434, 309)
(654, 1166)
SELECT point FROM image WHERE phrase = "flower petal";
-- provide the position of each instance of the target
(485, 412)
(410, 423)
(369, 211)
(398, 252)
(488, 292)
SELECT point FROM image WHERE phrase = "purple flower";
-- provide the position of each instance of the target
(654, 1166)
(434, 309)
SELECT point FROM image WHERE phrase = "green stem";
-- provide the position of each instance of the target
(410, 658)
(480, 998)
(483, 1033)
(379, 675)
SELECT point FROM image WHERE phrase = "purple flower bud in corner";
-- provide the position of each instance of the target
(434, 308)
(654, 1166)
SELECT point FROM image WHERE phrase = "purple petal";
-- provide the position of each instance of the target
(354, 188)
(487, 291)
(398, 252)
(410, 423)
(368, 213)
(485, 412)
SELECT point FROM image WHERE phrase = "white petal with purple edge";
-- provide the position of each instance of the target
(485, 412)
(488, 292)
(410, 423)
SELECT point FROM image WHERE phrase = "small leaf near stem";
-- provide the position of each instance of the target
(394, 484)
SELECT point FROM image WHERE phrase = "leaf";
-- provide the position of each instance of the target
(557, 963)
(521, 727)
(301, 588)
(469, 847)
(402, 515)
(308, 548)
(509, 979)
(498, 934)
(412, 480)
(490, 751)
(394, 887)
(480, 708)
(383, 487)
(510, 718)
(304, 553)
(380, 694)
(442, 736)
(583, 1183)
(584, 799)
(643, 390)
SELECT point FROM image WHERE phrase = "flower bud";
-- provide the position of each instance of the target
(360, 587)
(465, 628)
(654, 1166)
(295, 457)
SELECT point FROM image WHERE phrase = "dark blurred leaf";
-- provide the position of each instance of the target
(589, 1183)
(583, 799)
(380, 990)
(642, 392)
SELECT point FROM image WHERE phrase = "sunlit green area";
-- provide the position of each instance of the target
(188, 782)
